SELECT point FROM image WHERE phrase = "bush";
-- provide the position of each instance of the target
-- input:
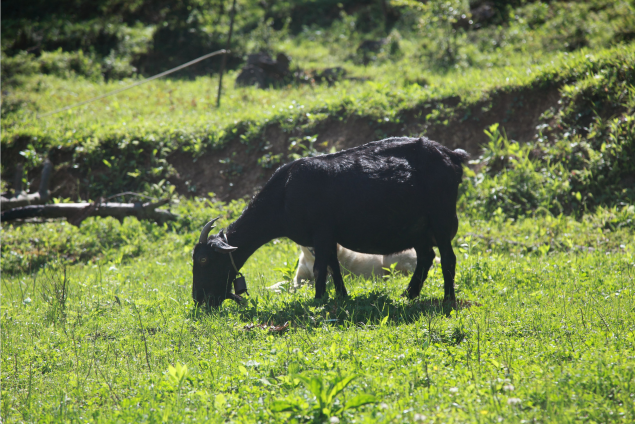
(573, 175)
(69, 64)
(16, 68)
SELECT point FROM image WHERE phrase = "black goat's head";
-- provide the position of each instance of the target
(212, 269)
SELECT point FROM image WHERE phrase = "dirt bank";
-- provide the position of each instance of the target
(234, 172)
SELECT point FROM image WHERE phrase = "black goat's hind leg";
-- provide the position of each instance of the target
(338, 281)
(424, 261)
(448, 264)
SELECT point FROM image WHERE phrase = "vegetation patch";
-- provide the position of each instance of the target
(120, 340)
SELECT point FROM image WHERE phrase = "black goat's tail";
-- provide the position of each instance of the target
(459, 156)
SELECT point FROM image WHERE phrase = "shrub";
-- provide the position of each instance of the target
(68, 64)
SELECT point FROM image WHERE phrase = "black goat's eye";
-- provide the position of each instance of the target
(203, 260)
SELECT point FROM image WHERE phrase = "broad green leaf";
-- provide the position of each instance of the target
(359, 400)
(283, 406)
(220, 401)
(313, 384)
(339, 385)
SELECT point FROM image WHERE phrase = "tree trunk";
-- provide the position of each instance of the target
(75, 213)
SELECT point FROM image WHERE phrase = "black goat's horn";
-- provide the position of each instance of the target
(206, 229)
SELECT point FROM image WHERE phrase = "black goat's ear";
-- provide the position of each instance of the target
(221, 246)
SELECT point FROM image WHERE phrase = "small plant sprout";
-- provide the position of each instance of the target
(177, 375)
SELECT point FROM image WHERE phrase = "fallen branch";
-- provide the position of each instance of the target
(21, 198)
(75, 213)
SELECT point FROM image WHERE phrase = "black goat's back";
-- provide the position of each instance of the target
(382, 197)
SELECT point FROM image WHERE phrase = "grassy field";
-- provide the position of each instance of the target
(545, 332)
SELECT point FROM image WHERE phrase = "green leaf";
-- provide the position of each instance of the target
(313, 384)
(220, 401)
(283, 405)
(359, 400)
(243, 370)
(107, 163)
(339, 385)
(384, 321)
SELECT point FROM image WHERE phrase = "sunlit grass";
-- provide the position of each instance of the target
(184, 112)
(548, 337)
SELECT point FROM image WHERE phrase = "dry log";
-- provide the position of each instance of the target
(21, 198)
(75, 213)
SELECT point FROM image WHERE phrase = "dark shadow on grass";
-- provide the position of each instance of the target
(367, 309)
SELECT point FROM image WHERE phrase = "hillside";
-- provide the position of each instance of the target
(525, 67)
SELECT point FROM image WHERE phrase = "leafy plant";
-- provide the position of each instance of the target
(325, 393)
(303, 147)
(177, 375)
(391, 270)
(269, 160)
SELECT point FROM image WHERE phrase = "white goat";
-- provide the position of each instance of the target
(351, 262)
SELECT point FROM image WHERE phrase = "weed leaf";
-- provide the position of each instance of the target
(283, 405)
(339, 385)
(220, 401)
(359, 400)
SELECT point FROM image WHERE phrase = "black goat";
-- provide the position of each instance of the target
(383, 197)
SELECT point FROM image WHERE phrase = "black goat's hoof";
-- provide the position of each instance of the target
(409, 296)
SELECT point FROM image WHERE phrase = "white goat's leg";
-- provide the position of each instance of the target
(305, 267)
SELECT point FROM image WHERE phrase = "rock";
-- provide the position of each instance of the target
(282, 63)
(251, 75)
(263, 71)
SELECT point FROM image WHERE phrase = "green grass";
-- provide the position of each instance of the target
(183, 114)
(97, 323)
(549, 336)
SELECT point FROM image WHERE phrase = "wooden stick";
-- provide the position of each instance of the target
(229, 40)
(75, 213)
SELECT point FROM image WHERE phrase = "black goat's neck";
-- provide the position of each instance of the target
(255, 227)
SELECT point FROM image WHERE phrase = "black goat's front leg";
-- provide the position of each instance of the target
(448, 264)
(338, 281)
(320, 271)
(425, 256)
(325, 256)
